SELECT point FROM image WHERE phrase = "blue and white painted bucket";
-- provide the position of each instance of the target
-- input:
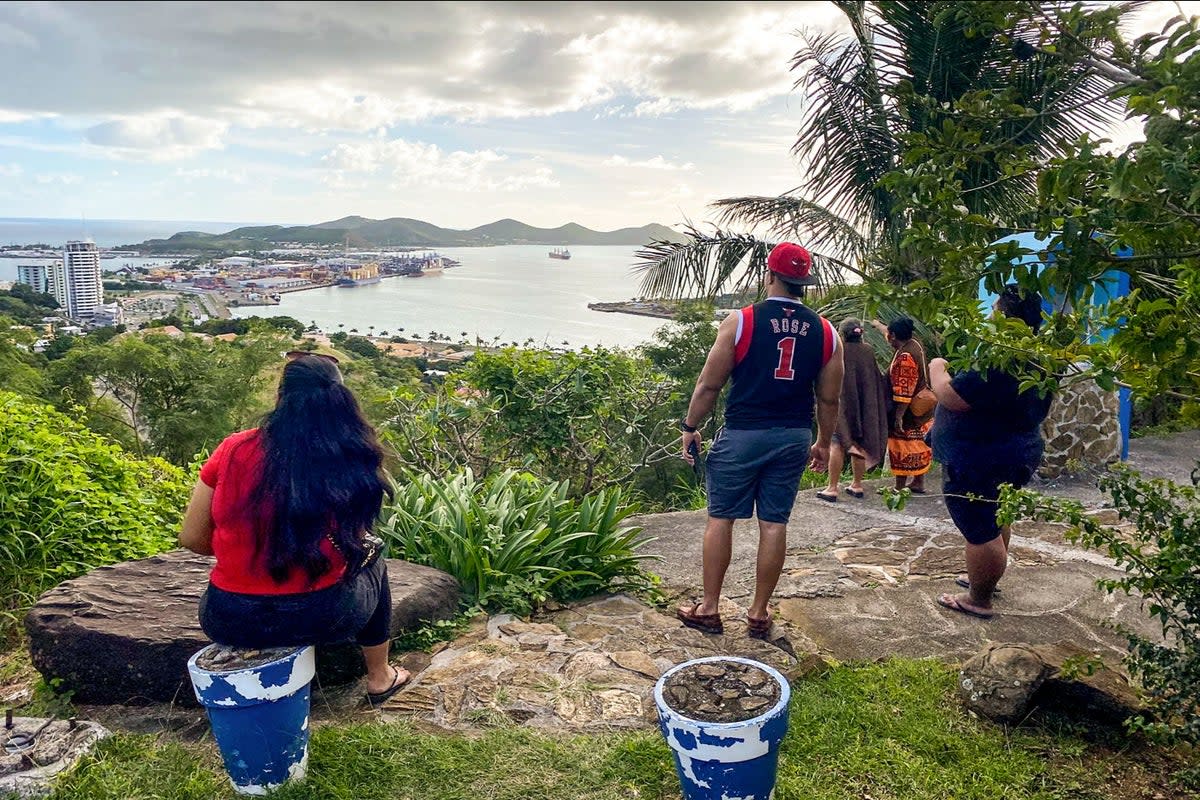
(259, 717)
(725, 760)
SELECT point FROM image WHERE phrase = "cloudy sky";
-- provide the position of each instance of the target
(608, 114)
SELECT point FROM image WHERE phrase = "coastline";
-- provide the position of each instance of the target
(640, 309)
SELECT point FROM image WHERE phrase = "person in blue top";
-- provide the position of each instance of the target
(986, 432)
(785, 362)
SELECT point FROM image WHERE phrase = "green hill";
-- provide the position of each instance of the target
(401, 232)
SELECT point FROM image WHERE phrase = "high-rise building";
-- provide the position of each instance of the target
(56, 283)
(34, 275)
(78, 287)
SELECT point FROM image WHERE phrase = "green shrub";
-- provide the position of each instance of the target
(1159, 550)
(596, 418)
(514, 541)
(71, 501)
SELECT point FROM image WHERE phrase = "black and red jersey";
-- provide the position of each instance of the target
(780, 347)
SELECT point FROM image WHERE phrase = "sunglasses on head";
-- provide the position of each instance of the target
(292, 355)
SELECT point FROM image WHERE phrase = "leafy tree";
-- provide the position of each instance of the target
(25, 292)
(596, 417)
(22, 311)
(220, 327)
(285, 324)
(175, 396)
(1093, 206)
(58, 347)
(173, 320)
(360, 346)
(679, 351)
(905, 68)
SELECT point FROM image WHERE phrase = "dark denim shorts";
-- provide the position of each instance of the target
(355, 610)
(756, 471)
(976, 518)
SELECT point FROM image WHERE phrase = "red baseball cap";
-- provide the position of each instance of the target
(792, 263)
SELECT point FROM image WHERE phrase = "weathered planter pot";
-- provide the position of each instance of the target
(725, 760)
(259, 718)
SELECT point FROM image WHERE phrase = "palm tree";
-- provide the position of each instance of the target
(898, 73)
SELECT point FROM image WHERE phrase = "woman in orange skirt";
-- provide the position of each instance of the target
(909, 455)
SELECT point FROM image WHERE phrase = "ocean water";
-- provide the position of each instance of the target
(510, 294)
(507, 294)
(104, 232)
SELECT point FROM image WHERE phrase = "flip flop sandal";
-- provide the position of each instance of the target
(853, 493)
(917, 491)
(828, 498)
(758, 628)
(951, 602)
(375, 699)
(705, 623)
(966, 584)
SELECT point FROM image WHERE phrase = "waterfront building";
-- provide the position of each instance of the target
(75, 281)
(34, 275)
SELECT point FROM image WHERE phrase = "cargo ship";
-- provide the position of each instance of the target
(429, 265)
(561, 253)
(360, 276)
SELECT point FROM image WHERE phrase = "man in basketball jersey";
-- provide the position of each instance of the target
(785, 361)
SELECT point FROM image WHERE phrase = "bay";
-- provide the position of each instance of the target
(104, 232)
(508, 294)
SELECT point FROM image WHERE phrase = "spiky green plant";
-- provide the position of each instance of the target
(514, 541)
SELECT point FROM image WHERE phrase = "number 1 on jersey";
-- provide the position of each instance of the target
(787, 348)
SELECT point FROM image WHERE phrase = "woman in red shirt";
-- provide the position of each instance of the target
(286, 508)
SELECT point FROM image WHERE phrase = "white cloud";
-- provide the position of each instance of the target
(62, 178)
(657, 162)
(158, 137)
(419, 163)
(358, 66)
(8, 117)
(10, 170)
(663, 195)
(204, 173)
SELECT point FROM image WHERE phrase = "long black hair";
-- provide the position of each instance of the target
(322, 473)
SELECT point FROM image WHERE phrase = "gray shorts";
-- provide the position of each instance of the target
(751, 470)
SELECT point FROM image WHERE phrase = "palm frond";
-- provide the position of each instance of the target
(900, 71)
(847, 139)
(855, 305)
(789, 217)
(707, 265)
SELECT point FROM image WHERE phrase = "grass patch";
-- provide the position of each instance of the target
(885, 731)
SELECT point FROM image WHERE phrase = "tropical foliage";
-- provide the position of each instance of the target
(596, 418)
(172, 397)
(1157, 545)
(514, 541)
(70, 501)
(905, 68)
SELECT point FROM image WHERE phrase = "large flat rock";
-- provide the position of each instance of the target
(123, 634)
(860, 581)
(589, 667)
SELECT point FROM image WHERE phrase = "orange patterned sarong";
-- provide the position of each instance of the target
(907, 452)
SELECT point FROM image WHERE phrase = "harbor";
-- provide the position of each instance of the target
(246, 281)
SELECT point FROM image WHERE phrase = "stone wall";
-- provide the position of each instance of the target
(1082, 430)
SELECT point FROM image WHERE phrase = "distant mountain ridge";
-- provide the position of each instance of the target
(405, 232)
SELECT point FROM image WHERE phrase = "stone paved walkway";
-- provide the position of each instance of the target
(860, 581)
(590, 666)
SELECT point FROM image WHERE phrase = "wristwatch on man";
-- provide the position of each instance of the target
(683, 426)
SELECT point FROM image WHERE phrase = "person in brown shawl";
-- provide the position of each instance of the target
(910, 457)
(863, 422)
